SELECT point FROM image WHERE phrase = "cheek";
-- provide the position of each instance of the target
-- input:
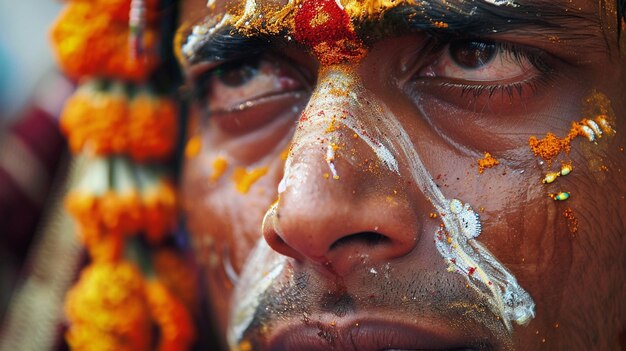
(228, 212)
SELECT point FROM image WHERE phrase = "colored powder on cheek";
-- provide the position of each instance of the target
(245, 346)
(285, 153)
(548, 147)
(219, 167)
(244, 179)
(193, 147)
(486, 162)
(551, 146)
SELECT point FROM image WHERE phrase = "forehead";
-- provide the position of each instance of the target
(577, 23)
(195, 9)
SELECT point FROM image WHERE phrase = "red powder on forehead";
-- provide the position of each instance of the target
(327, 29)
(319, 21)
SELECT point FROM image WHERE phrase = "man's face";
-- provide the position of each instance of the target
(338, 189)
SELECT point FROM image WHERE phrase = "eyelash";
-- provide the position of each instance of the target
(538, 60)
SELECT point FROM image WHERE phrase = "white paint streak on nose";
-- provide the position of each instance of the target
(329, 104)
(464, 254)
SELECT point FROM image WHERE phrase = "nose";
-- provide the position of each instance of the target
(342, 200)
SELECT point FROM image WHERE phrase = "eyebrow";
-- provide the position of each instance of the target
(479, 18)
(438, 18)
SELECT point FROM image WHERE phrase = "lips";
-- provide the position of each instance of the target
(373, 334)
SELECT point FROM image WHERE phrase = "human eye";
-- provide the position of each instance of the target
(246, 94)
(477, 66)
(493, 87)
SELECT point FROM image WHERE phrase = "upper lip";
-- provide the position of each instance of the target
(373, 333)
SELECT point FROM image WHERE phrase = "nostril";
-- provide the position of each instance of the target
(368, 239)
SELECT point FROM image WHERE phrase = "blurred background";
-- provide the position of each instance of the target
(25, 55)
(32, 151)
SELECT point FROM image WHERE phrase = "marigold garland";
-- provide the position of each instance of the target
(116, 198)
(111, 212)
(177, 273)
(160, 210)
(152, 127)
(119, 9)
(110, 48)
(103, 122)
(90, 43)
(107, 309)
(93, 119)
(175, 323)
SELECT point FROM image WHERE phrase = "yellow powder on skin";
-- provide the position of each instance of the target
(285, 153)
(369, 9)
(245, 346)
(220, 165)
(193, 147)
(332, 126)
(244, 179)
(597, 109)
(551, 145)
(319, 19)
(486, 162)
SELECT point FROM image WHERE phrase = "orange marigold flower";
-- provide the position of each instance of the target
(103, 220)
(160, 209)
(152, 127)
(94, 119)
(175, 323)
(107, 309)
(179, 274)
(90, 43)
(119, 9)
(109, 212)
(102, 246)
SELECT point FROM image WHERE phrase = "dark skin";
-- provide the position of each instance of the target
(360, 265)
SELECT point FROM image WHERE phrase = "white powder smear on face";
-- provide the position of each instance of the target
(502, 3)
(459, 247)
(327, 107)
(261, 269)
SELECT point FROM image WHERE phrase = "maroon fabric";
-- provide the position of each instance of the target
(40, 132)
(19, 215)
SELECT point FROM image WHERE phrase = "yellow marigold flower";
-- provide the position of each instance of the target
(90, 43)
(179, 274)
(173, 319)
(152, 127)
(107, 309)
(95, 120)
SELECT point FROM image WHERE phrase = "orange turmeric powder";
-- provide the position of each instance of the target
(486, 162)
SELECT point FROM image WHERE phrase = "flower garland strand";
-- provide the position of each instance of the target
(117, 122)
